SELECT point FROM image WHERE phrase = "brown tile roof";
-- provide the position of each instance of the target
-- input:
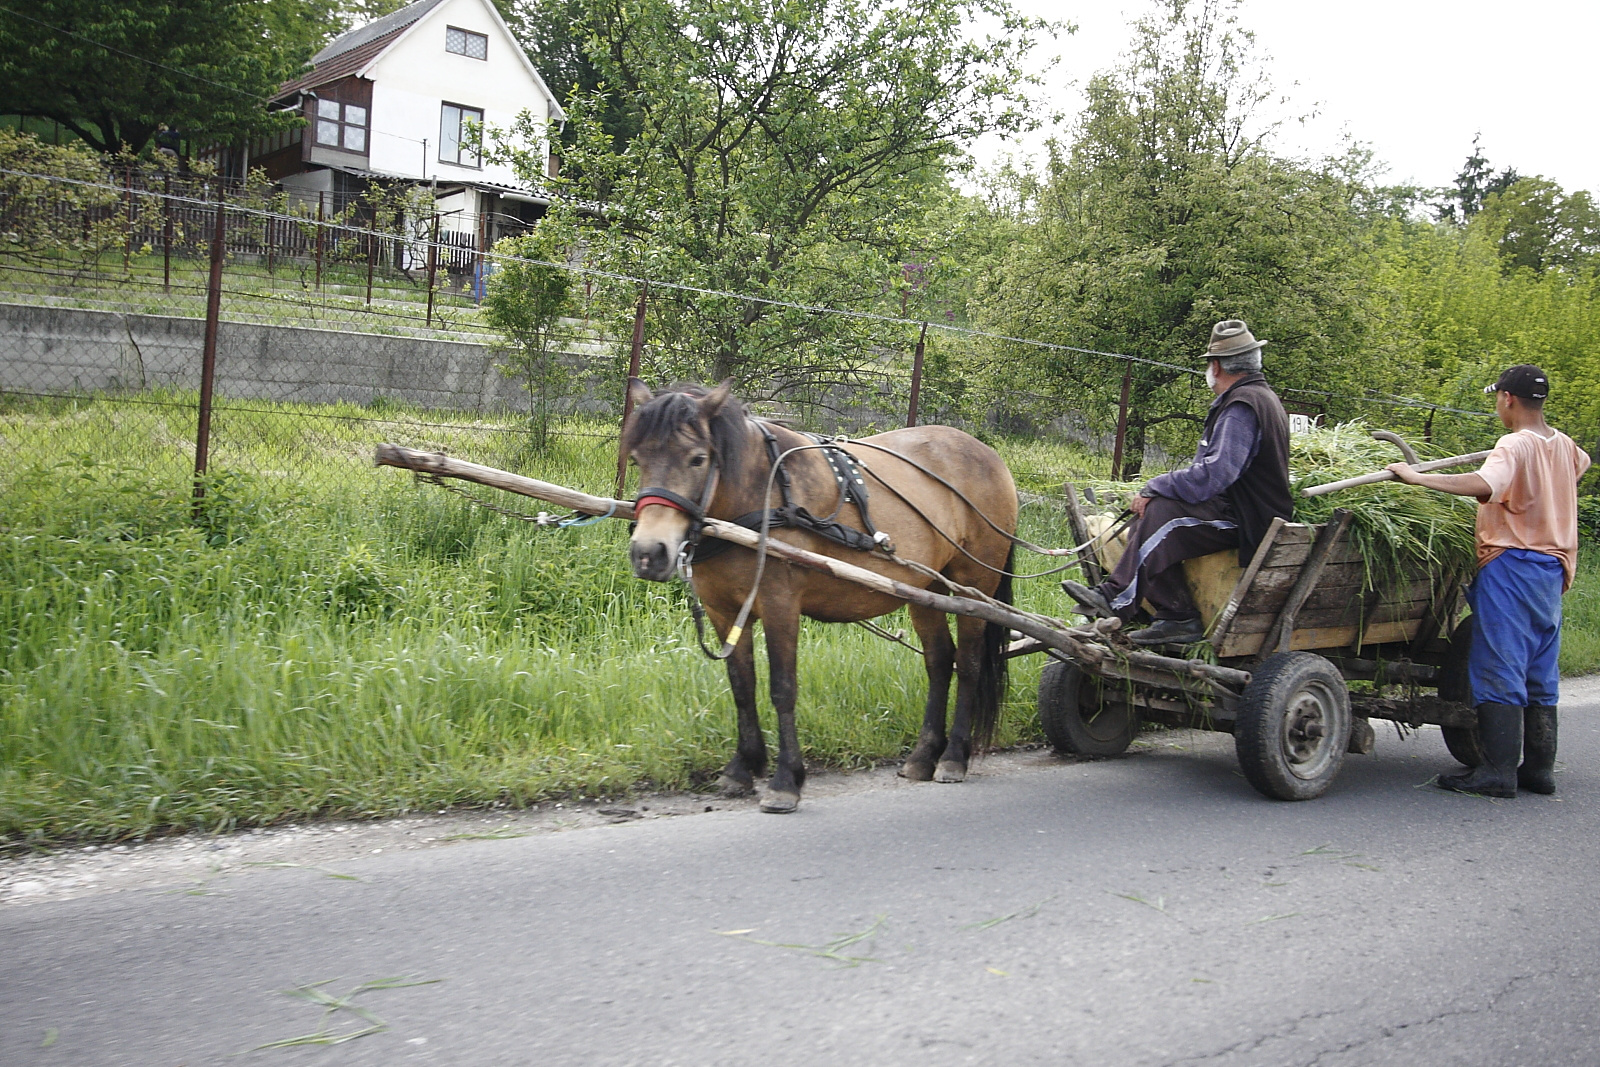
(350, 51)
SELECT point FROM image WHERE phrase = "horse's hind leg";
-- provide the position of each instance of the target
(749, 762)
(938, 656)
(969, 663)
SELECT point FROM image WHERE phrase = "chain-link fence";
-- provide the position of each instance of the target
(187, 325)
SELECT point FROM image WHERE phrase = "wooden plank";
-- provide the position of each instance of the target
(1089, 561)
(1293, 555)
(1328, 537)
(1311, 639)
(1340, 615)
(1241, 589)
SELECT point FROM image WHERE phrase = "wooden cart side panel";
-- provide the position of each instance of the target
(1218, 628)
(1325, 638)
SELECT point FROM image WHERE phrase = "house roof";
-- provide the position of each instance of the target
(355, 50)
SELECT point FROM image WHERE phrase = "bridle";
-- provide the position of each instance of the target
(664, 497)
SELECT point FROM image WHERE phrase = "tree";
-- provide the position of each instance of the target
(1536, 225)
(1166, 213)
(525, 300)
(113, 71)
(1475, 184)
(786, 149)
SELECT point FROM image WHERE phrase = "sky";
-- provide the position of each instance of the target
(1413, 79)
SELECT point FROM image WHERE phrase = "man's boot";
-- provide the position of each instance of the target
(1538, 771)
(1500, 734)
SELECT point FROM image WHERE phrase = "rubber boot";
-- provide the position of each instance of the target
(1538, 771)
(1500, 734)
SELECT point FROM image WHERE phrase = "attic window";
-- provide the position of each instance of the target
(466, 43)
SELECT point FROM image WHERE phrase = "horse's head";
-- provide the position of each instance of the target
(683, 442)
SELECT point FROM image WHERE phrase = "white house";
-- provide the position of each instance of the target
(405, 97)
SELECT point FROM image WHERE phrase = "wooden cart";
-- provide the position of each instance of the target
(1287, 634)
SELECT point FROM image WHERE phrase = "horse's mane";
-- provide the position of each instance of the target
(669, 412)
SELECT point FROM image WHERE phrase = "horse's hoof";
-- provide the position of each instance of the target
(951, 772)
(732, 787)
(775, 803)
(916, 771)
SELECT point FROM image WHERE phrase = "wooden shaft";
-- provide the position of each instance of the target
(1083, 652)
(1385, 475)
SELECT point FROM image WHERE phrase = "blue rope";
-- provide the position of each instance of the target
(591, 520)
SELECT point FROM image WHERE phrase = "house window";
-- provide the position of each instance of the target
(466, 43)
(460, 135)
(341, 125)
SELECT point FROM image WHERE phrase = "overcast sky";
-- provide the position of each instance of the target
(1415, 79)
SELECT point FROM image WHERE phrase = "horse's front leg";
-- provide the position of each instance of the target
(783, 640)
(749, 762)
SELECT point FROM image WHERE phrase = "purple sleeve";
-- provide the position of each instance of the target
(1218, 462)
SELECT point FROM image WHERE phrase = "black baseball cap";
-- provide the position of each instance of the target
(1524, 380)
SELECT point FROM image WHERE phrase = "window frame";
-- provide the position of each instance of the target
(341, 124)
(467, 36)
(462, 117)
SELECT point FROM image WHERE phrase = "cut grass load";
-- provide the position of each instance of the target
(331, 639)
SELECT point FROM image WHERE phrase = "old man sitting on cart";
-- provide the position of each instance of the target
(1227, 498)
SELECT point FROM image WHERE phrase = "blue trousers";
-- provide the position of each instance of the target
(1516, 636)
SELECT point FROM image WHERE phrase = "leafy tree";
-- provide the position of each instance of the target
(1167, 213)
(786, 149)
(525, 300)
(1536, 225)
(112, 71)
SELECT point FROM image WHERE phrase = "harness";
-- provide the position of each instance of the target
(846, 475)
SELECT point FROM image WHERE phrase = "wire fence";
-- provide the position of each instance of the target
(190, 326)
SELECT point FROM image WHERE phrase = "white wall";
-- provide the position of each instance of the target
(416, 76)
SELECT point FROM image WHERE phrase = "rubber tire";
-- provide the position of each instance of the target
(1276, 689)
(1454, 684)
(1064, 690)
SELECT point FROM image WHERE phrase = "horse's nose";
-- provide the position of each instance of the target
(650, 560)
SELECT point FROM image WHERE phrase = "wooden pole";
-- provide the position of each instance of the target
(319, 237)
(1074, 642)
(1122, 424)
(1385, 475)
(433, 264)
(916, 377)
(208, 351)
(635, 353)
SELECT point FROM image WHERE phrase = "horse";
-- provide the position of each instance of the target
(699, 453)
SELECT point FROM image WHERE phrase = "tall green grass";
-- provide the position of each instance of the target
(325, 637)
(319, 644)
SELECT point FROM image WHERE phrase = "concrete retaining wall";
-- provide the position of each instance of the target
(57, 350)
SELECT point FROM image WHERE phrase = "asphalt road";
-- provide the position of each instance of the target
(1147, 910)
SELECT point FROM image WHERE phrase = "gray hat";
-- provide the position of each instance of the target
(1231, 337)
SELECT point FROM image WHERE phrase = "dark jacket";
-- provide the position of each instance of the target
(1261, 492)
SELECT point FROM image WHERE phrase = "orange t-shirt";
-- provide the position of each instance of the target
(1533, 498)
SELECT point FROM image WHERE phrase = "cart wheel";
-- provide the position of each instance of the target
(1462, 741)
(1293, 726)
(1076, 716)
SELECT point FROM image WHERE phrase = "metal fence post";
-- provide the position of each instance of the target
(634, 354)
(433, 264)
(372, 250)
(916, 378)
(127, 245)
(166, 236)
(208, 353)
(1122, 424)
(320, 233)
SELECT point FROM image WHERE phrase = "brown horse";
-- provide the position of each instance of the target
(698, 449)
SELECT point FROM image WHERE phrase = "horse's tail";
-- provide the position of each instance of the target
(992, 670)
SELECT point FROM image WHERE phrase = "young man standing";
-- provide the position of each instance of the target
(1527, 492)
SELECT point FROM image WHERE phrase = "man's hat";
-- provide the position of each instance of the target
(1524, 380)
(1231, 337)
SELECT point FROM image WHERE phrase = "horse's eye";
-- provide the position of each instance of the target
(698, 461)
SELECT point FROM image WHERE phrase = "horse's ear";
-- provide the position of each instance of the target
(639, 393)
(713, 401)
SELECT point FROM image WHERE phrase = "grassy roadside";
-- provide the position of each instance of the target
(331, 638)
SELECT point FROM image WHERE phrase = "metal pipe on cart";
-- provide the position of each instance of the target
(208, 351)
(916, 377)
(635, 351)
